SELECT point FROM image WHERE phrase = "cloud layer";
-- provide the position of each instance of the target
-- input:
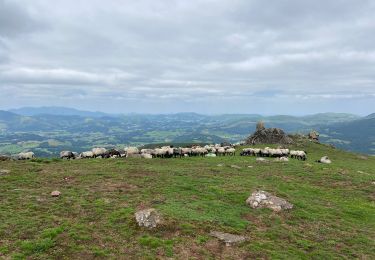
(238, 56)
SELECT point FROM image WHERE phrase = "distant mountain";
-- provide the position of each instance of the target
(7, 116)
(370, 116)
(357, 135)
(61, 111)
(47, 131)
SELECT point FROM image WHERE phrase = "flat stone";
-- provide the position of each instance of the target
(55, 193)
(261, 159)
(148, 218)
(282, 159)
(235, 167)
(2, 171)
(227, 238)
(220, 165)
(325, 160)
(250, 166)
(263, 199)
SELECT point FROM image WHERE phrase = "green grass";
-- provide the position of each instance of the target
(333, 217)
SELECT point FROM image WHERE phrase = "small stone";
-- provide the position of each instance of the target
(250, 166)
(148, 218)
(325, 160)
(220, 165)
(227, 238)
(360, 171)
(235, 167)
(55, 193)
(261, 160)
(373, 182)
(262, 199)
(2, 171)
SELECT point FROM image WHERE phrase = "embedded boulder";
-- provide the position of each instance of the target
(314, 135)
(148, 218)
(263, 199)
(5, 157)
(268, 136)
(325, 160)
(55, 193)
(227, 238)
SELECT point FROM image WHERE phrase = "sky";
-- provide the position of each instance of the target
(207, 56)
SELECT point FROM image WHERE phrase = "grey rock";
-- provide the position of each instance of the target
(263, 199)
(134, 155)
(325, 160)
(235, 166)
(5, 157)
(148, 218)
(264, 135)
(2, 171)
(227, 238)
(260, 159)
(55, 193)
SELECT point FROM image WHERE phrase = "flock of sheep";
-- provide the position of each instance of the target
(162, 152)
(276, 153)
(176, 152)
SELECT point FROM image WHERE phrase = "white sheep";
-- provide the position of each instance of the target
(129, 151)
(88, 154)
(99, 152)
(230, 151)
(67, 155)
(26, 156)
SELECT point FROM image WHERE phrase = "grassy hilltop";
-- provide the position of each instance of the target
(333, 215)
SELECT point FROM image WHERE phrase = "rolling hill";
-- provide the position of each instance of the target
(49, 130)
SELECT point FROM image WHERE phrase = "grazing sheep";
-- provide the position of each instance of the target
(111, 153)
(130, 151)
(67, 155)
(87, 154)
(264, 152)
(177, 152)
(300, 155)
(186, 152)
(199, 151)
(26, 156)
(149, 151)
(230, 151)
(220, 151)
(146, 155)
(99, 152)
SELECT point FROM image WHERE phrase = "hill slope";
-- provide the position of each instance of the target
(333, 214)
(357, 135)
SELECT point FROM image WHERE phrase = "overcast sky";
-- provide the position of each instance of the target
(208, 56)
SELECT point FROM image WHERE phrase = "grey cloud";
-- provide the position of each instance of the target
(200, 52)
(14, 19)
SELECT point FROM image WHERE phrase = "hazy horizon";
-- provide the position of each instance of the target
(210, 57)
(171, 113)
